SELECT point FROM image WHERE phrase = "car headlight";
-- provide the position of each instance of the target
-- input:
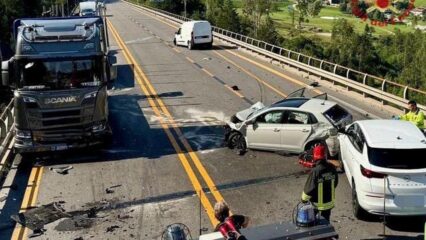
(98, 126)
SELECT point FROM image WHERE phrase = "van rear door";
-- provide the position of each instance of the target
(202, 31)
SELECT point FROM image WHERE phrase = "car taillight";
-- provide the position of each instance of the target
(371, 174)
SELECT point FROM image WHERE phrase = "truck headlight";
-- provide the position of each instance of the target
(90, 95)
(22, 134)
(99, 126)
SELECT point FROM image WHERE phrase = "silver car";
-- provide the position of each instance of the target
(292, 125)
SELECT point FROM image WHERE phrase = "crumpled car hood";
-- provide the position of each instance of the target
(242, 115)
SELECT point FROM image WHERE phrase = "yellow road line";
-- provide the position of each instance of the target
(208, 73)
(148, 89)
(280, 74)
(252, 75)
(194, 157)
(189, 59)
(29, 200)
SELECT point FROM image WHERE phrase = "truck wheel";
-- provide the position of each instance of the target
(190, 47)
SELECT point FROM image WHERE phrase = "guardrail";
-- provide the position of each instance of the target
(6, 138)
(370, 86)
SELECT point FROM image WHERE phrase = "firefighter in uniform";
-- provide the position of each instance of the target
(321, 183)
(415, 116)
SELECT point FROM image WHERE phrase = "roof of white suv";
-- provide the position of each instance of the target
(392, 134)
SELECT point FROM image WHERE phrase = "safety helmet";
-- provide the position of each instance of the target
(319, 152)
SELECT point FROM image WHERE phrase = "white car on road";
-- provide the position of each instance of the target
(385, 154)
(292, 125)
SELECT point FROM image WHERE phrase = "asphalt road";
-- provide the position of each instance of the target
(167, 162)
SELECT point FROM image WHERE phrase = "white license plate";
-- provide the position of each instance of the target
(59, 148)
(410, 201)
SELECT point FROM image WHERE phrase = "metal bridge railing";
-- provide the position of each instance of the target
(6, 137)
(378, 88)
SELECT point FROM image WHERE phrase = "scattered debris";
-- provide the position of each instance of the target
(207, 58)
(79, 238)
(91, 213)
(36, 233)
(109, 189)
(314, 84)
(228, 67)
(235, 88)
(61, 170)
(112, 228)
(36, 218)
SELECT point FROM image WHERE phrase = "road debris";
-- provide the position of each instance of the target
(36, 218)
(235, 88)
(61, 170)
(109, 190)
(112, 228)
(314, 84)
(36, 233)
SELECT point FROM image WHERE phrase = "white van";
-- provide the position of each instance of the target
(87, 8)
(194, 33)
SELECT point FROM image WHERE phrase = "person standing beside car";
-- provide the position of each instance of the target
(321, 183)
(415, 116)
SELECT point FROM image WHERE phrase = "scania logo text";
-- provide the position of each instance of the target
(54, 100)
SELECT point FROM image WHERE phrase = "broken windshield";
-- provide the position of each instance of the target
(59, 74)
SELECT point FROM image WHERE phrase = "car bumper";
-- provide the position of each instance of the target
(88, 140)
(375, 204)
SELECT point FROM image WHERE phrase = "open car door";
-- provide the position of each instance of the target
(297, 94)
(321, 96)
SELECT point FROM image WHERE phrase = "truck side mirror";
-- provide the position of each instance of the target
(112, 60)
(5, 73)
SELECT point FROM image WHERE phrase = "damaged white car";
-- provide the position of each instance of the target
(292, 125)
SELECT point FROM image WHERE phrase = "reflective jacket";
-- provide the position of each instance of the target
(416, 117)
(320, 186)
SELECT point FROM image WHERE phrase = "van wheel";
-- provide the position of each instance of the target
(357, 210)
(210, 45)
(174, 42)
(190, 45)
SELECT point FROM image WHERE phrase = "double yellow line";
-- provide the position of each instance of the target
(30, 199)
(169, 126)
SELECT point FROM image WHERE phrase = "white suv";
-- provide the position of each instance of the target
(292, 125)
(385, 154)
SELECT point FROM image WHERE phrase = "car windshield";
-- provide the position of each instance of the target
(397, 158)
(336, 114)
(42, 74)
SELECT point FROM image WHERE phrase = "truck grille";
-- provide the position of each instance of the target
(60, 117)
(60, 135)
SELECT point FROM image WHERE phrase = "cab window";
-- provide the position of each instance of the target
(271, 117)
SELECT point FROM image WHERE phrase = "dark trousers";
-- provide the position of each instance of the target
(325, 214)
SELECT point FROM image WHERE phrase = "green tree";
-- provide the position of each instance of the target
(254, 11)
(228, 18)
(308, 8)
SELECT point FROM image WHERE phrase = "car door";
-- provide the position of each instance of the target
(265, 131)
(296, 129)
(355, 147)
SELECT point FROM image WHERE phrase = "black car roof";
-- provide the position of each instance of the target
(291, 102)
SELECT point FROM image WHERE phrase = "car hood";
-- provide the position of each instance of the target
(243, 115)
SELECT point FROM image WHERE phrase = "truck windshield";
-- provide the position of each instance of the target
(42, 74)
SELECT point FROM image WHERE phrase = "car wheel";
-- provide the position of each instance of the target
(236, 141)
(357, 210)
(190, 45)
